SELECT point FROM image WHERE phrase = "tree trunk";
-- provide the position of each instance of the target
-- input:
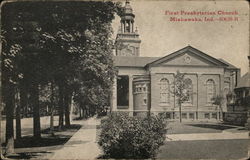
(10, 96)
(84, 112)
(18, 122)
(217, 113)
(149, 111)
(61, 107)
(18, 115)
(23, 106)
(180, 112)
(52, 110)
(80, 111)
(67, 100)
(36, 110)
(221, 113)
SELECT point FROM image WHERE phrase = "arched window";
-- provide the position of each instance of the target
(164, 90)
(210, 90)
(189, 88)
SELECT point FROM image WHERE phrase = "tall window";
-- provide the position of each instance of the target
(210, 90)
(122, 91)
(164, 90)
(189, 90)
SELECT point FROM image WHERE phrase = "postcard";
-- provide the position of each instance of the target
(125, 79)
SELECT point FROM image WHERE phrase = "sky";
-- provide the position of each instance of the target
(228, 40)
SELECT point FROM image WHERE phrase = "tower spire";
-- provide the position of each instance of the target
(127, 40)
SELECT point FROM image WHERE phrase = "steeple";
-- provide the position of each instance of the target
(127, 19)
(127, 40)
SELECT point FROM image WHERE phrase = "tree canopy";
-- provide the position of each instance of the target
(66, 45)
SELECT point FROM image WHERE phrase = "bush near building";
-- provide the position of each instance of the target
(124, 136)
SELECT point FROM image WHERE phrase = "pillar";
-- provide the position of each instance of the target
(132, 27)
(124, 26)
(224, 105)
(131, 100)
(221, 91)
(129, 26)
(237, 77)
(199, 86)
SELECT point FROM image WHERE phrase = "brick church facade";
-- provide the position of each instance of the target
(144, 83)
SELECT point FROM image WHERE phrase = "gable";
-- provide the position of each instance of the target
(187, 59)
(188, 56)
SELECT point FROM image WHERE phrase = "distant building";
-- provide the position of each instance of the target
(239, 109)
(144, 83)
(242, 90)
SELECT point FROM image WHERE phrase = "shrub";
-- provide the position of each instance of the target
(123, 136)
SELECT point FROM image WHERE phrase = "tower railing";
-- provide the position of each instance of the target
(128, 35)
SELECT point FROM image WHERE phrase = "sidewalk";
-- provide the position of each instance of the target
(233, 133)
(207, 136)
(82, 145)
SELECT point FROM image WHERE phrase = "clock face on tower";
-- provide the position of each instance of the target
(128, 51)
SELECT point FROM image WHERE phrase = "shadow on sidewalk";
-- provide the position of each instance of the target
(28, 155)
(59, 138)
(29, 147)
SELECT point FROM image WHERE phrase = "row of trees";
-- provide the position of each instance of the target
(55, 52)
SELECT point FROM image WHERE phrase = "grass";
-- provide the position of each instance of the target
(204, 149)
(201, 127)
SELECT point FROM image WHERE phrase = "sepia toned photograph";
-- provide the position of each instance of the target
(128, 79)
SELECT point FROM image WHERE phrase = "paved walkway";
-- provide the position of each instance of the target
(207, 136)
(82, 145)
(233, 132)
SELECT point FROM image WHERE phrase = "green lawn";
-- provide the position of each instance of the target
(206, 149)
(196, 127)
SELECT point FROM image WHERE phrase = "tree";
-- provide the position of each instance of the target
(18, 115)
(180, 90)
(64, 43)
(9, 79)
(82, 55)
(219, 100)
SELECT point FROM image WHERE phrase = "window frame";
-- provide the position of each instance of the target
(164, 90)
(190, 90)
(210, 92)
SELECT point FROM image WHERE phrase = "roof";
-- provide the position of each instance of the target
(192, 50)
(230, 66)
(123, 61)
(127, 61)
(244, 81)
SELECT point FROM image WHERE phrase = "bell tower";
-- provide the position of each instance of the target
(127, 40)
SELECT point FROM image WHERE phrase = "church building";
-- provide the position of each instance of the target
(144, 83)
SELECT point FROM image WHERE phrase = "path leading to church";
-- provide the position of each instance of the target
(82, 145)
